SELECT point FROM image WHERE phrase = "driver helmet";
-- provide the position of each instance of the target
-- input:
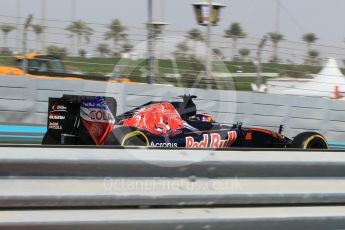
(204, 117)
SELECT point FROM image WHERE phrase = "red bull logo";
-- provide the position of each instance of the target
(159, 118)
(212, 140)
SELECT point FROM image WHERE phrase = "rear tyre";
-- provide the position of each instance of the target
(309, 140)
(127, 136)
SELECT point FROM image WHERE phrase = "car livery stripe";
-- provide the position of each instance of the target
(261, 130)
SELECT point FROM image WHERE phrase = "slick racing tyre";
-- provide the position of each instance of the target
(127, 136)
(309, 140)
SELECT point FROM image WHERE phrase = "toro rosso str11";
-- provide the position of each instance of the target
(92, 120)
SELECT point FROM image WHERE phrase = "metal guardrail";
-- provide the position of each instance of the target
(108, 188)
(132, 192)
(297, 218)
(104, 162)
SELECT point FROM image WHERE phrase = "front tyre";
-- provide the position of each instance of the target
(309, 140)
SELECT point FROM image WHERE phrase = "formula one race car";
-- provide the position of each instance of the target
(92, 120)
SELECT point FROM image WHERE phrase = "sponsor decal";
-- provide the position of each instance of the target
(212, 140)
(101, 115)
(56, 117)
(54, 125)
(96, 129)
(97, 118)
(96, 102)
(96, 110)
(164, 145)
(249, 136)
(190, 143)
(57, 107)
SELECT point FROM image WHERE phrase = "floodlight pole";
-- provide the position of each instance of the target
(150, 66)
(73, 7)
(44, 20)
(208, 43)
(157, 29)
(208, 20)
(25, 36)
(73, 18)
(277, 19)
(258, 62)
(17, 25)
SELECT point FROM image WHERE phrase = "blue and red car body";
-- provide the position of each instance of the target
(92, 120)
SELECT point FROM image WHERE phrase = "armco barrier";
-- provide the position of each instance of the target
(139, 188)
(114, 192)
(110, 162)
(283, 218)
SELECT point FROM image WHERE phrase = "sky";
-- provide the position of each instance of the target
(257, 17)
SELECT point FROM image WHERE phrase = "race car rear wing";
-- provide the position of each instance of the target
(64, 118)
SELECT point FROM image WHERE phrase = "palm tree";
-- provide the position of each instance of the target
(218, 53)
(6, 29)
(80, 29)
(126, 47)
(244, 52)
(38, 30)
(116, 32)
(275, 39)
(313, 56)
(309, 38)
(182, 50)
(196, 36)
(235, 32)
(59, 52)
(103, 49)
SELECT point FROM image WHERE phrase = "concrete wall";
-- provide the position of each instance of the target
(24, 101)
